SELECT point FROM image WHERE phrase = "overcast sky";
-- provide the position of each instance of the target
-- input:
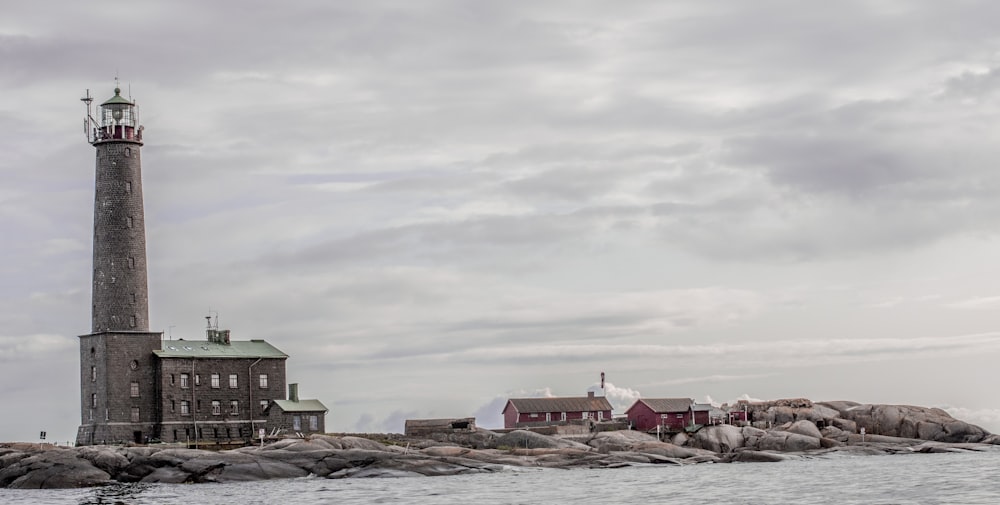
(432, 206)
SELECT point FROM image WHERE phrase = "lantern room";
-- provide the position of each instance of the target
(117, 120)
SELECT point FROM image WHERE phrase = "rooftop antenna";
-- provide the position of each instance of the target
(208, 319)
(88, 119)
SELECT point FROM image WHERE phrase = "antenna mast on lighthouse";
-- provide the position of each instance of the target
(87, 121)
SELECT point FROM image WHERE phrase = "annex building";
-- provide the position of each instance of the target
(137, 387)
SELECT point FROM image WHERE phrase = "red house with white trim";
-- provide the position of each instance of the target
(526, 412)
(672, 414)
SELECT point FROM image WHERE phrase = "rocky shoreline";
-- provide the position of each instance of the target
(789, 429)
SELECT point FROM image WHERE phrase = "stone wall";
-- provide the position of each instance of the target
(109, 364)
(200, 394)
(120, 295)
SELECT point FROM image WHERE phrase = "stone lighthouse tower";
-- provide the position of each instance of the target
(117, 372)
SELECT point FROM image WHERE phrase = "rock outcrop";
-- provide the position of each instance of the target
(793, 426)
(906, 421)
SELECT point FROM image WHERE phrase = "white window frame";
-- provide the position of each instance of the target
(234, 381)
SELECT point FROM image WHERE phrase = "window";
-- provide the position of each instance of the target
(131, 262)
(185, 408)
(133, 297)
(173, 406)
(296, 423)
(128, 186)
(131, 321)
(171, 379)
(263, 405)
(234, 407)
(91, 414)
(93, 400)
(197, 379)
(93, 374)
(664, 416)
(128, 221)
(533, 414)
(184, 380)
(128, 152)
(197, 406)
(548, 416)
(216, 407)
(314, 423)
(134, 390)
(680, 416)
(263, 381)
(584, 415)
(215, 380)
(563, 416)
(600, 415)
(233, 381)
(135, 414)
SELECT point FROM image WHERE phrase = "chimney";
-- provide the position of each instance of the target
(293, 392)
(590, 394)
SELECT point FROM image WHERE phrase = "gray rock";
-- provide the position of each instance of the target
(784, 441)
(611, 441)
(53, 469)
(521, 439)
(906, 421)
(261, 469)
(669, 450)
(720, 439)
(167, 475)
(804, 427)
(754, 457)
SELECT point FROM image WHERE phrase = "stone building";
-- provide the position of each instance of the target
(295, 415)
(134, 386)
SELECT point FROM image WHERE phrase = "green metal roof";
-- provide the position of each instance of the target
(118, 98)
(301, 406)
(206, 349)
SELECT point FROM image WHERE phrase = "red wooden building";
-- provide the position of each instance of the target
(524, 412)
(672, 414)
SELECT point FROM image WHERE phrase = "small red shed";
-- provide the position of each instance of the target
(673, 414)
(523, 412)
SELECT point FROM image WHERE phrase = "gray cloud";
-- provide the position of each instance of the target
(521, 194)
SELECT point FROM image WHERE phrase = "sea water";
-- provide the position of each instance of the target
(954, 478)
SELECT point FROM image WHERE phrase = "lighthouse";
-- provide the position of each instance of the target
(117, 372)
(120, 295)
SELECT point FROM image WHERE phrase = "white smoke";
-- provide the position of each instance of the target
(747, 398)
(619, 398)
